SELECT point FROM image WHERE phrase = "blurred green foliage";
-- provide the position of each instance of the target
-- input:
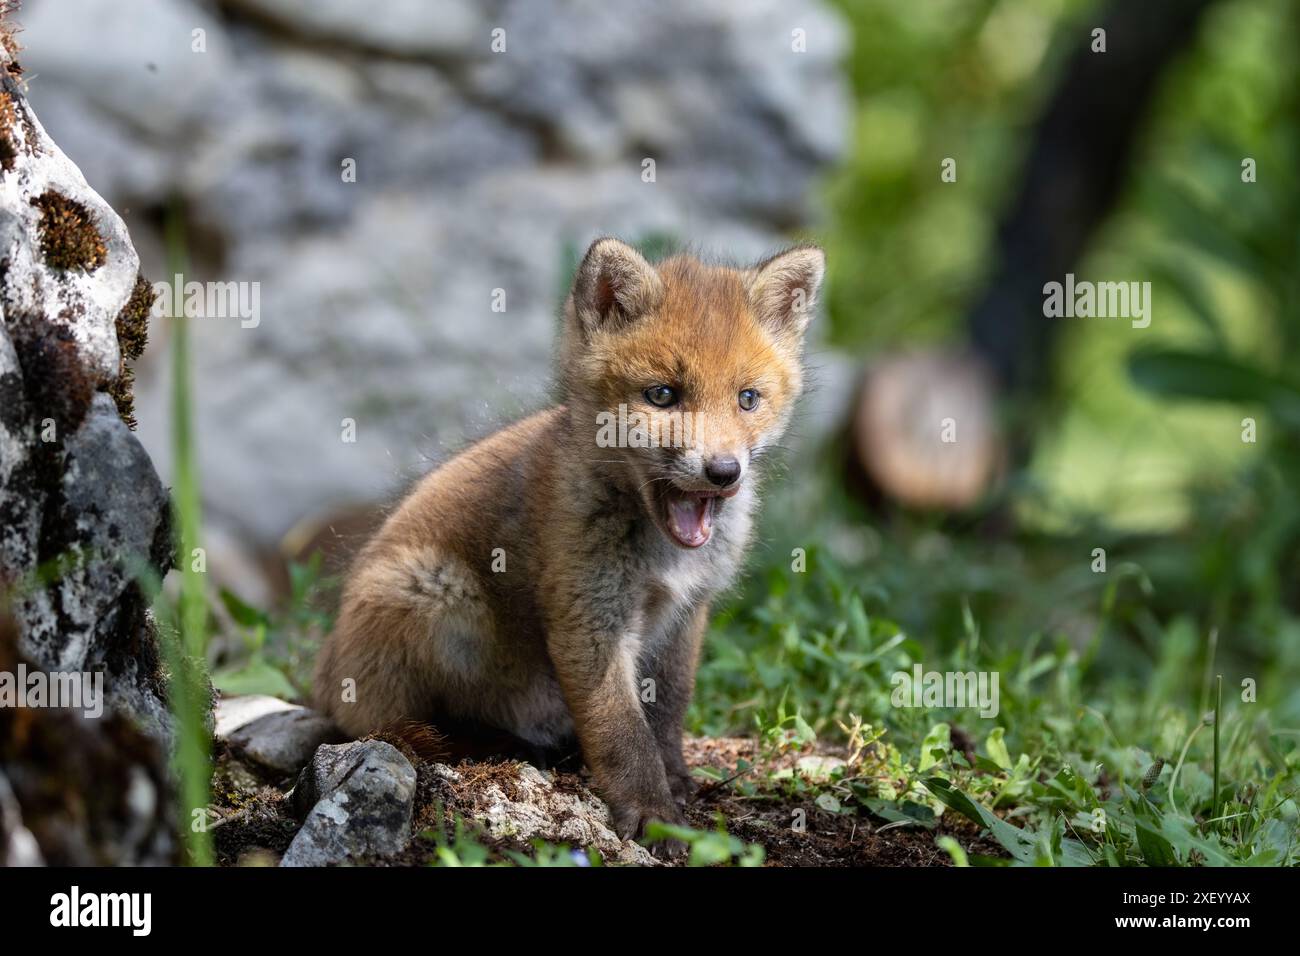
(908, 252)
(1143, 452)
(949, 78)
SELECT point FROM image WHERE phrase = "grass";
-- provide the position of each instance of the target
(184, 623)
(1095, 756)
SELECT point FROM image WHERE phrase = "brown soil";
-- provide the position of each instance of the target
(254, 821)
(828, 839)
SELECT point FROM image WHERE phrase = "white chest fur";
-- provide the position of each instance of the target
(688, 579)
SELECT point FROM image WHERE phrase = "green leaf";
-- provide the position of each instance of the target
(1202, 226)
(1024, 847)
(906, 812)
(1183, 373)
(937, 742)
(858, 620)
(254, 677)
(954, 850)
(1013, 840)
(1184, 839)
(1187, 283)
(243, 613)
(829, 802)
(1209, 377)
(804, 731)
(998, 749)
(1156, 850)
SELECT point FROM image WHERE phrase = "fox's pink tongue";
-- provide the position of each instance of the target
(688, 519)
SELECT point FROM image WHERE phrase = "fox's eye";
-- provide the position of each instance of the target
(661, 395)
(748, 399)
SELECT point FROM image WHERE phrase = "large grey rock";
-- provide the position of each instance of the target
(230, 714)
(715, 91)
(276, 735)
(410, 27)
(164, 80)
(76, 486)
(82, 511)
(357, 799)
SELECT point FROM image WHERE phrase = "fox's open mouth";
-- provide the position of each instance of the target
(689, 514)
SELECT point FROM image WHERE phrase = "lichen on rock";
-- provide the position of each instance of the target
(8, 142)
(515, 801)
(132, 326)
(69, 237)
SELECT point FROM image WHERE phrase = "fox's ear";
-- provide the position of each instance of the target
(783, 289)
(614, 285)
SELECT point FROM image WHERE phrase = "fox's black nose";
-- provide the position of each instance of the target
(722, 471)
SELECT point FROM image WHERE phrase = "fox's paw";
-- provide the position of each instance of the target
(683, 786)
(630, 822)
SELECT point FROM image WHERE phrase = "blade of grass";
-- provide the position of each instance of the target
(185, 648)
(1210, 654)
(1218, 708)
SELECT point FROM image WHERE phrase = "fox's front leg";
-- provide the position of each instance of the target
(672, 670)
(597, 670)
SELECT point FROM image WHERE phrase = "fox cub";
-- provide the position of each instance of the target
(554, 580)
